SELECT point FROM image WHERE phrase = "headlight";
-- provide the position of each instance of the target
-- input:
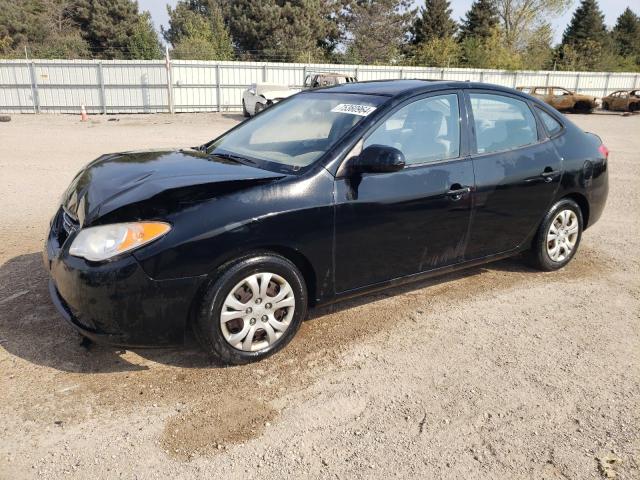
(106, 241)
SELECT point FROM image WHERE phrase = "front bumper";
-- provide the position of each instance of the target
(116, 302)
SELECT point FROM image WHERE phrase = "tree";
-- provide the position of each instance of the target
(586, 43)
(443, 52)
(115, 28)
(143, 43)
(434, 21)
(296, 30)
(480, 21)
(587, 23)
(520, 18)
(490, 52)
(203, 38)
(45, 27)
(375, 30)
(626, 34)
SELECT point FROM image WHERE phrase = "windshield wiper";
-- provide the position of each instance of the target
(231, 156)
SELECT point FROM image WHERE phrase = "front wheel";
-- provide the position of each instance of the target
(252, 310)
(558, 236)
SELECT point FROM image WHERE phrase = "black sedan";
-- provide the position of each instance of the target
(329, 194)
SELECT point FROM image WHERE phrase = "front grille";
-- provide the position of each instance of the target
(66, 225)
(69, 223)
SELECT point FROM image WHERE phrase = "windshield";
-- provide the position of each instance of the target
(297, 132)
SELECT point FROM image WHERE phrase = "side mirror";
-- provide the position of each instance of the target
(378, 159)
(252, 91)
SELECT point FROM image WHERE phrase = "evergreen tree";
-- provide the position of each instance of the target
(296, 30)
(480, 20)
(587, 24)
(46, 27)
(434, 21)
(626, 34)
(115, 28)
(375, 30)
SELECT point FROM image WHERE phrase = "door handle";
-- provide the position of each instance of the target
(549, 174)
(458, 191)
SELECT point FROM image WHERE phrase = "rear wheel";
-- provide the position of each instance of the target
(252, 310)
(259, 107)
(558, 236)
(245, 112)
(605, 106)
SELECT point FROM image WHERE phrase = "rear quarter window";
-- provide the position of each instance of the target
(553, 126)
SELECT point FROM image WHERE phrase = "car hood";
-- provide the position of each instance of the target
(120, 179)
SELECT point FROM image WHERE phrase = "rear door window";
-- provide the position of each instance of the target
(502, 123)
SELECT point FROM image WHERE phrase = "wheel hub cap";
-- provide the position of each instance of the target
(562, 235)
(266, 297)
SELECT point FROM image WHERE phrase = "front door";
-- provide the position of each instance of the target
(517, 172)
(390, 225)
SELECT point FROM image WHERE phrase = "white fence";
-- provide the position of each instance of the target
(136, 86)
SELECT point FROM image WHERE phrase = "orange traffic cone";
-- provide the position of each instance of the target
(83, 114)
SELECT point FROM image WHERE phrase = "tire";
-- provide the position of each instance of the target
(5, 118)
(255, 315)
(582, 107)
(605, 106)
(245, 113)
(259, 107)
(542, 255)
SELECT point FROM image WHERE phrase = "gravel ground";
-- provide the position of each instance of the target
(496, 372)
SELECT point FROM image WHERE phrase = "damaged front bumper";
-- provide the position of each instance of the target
(116, 302)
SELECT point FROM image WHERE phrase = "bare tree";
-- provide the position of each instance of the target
(520, 18)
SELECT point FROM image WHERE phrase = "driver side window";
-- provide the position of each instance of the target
(426, 130)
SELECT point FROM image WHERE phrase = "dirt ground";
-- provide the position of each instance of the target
(498, 372)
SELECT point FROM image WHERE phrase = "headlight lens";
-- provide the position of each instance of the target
(106, 241)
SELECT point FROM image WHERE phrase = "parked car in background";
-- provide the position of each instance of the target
(622, 100)
(563, 99)
(326, 79)
(262, 95)
(329, 194)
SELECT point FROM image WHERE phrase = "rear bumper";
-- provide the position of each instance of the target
(117, 302)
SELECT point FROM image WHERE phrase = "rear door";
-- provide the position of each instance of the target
(517, 171)
(390, 225)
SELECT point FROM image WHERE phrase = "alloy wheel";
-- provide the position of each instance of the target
(562, 235)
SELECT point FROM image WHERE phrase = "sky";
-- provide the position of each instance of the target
(611, 9)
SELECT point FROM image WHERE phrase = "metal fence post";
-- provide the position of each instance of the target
(35, 95)
(218, 87)
(577, 87)
(103, 95)
(355, 71)
(546, 83)
(264, 73)
(515, 79)
(401, 73)
(636, 84)
(167, 64)
(606, 85)
(442, 74)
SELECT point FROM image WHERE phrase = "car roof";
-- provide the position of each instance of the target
(393, 88)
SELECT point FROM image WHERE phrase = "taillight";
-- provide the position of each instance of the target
(604, 151)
